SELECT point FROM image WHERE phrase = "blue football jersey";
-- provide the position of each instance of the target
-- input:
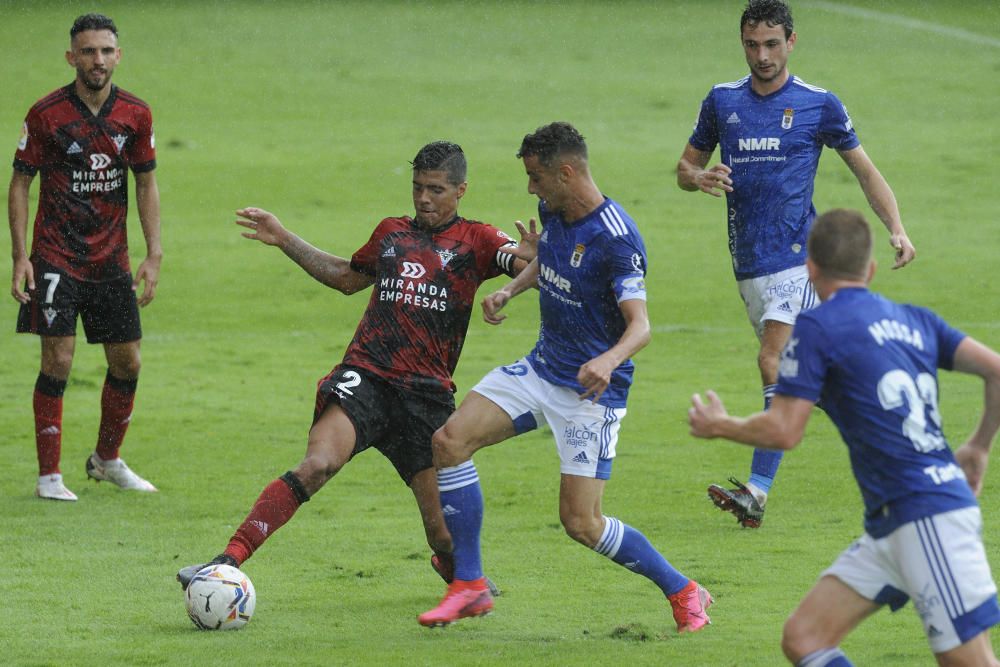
(873, 364)
(586, 268)
(772, 144)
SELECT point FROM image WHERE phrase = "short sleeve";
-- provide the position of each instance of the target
(803, 365)
(142, 153)
(628, 269)
(365, 259)
(836, 129)
(705, 136)
(30, 155)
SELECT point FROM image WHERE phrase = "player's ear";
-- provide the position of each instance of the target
(461, 189)
(70, 58)
(871, 271)
(812, 269)
(791, 40)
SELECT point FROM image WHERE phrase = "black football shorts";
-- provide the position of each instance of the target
(396, 422)
(109, 310)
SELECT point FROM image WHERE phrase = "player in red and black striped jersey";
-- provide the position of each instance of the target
(394, 386)
(84, 138)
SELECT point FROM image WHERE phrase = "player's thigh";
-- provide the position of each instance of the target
(330, 447)
(110, 312)
(827, 614)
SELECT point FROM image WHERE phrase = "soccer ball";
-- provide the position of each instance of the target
(220, 597)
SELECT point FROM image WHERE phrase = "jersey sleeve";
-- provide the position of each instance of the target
(705, 136)
(494, 260)
(948, 338)
(141, 154)
(628, 269)
(30, 155)
(836, 129)
(365, 259)
(803, 365)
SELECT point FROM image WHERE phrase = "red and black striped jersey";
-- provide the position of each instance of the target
(425, 286)
(83, 199)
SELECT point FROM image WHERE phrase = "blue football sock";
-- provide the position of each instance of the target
(825, 657)
(630, 549)
(462, 504)
(764, 465)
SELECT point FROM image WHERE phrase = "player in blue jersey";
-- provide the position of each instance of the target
(770, 128)
(589, 271)
(873, 363)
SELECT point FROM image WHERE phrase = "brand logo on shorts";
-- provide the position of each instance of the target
(785, 308)
(412, 270)
(50, 315)
(581, 458)
(99, 161)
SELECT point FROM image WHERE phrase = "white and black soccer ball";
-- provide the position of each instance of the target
(220, 597)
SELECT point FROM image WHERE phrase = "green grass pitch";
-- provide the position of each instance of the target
(313, 109)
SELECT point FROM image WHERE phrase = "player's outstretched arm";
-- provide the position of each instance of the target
(147, 200)
(17, 213)
(692, 174)
(595, 375)
(328, 269)
(780, 427)
(883, 202)
(494, 303)
(975, 358)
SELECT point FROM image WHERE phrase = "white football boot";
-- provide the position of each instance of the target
(116, 472)
(52, 487)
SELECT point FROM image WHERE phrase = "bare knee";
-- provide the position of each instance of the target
(767, 362)
(316, 469)
(796, 639)
(584, 529)
(125, 366)
(57, 362)
(449, 450)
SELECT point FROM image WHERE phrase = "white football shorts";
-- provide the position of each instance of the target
(777, 296)
(586, 433)
(938, 562)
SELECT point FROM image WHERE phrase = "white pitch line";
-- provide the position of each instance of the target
(906, 22)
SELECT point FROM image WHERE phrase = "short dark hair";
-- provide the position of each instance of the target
(550, 141)
(442, 156)
(92, 22)
(771, 12)
(840, 244)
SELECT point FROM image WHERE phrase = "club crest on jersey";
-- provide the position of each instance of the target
(786, 120)
(446, 256)
(577, 257)
(119, 140)
(22, 143)
(50, 315)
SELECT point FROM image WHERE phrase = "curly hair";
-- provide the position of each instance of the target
(771, 12)
(442, 156)
(550, 141)
(92, 22)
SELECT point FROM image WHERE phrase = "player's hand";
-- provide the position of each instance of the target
(527, 247)
(973, 461)
(715, 181)
(492, 305)
(595, 376)
(905, 252)
(263, 226)
(148, 274)
(24, 274)
(703, 416)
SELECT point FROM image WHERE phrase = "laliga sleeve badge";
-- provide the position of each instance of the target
(22, 143)
(786, 120)
(577, 257)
